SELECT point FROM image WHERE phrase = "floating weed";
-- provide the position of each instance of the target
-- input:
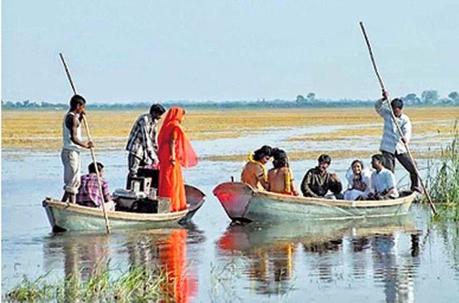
(222, 280)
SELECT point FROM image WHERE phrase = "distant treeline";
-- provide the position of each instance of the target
(428, 97)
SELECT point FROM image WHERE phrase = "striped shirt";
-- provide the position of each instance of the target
(391, 141)
(89, 194)
(142, 140)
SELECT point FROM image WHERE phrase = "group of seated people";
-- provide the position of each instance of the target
(318, 182)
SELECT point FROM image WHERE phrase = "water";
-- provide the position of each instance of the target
(399, 260)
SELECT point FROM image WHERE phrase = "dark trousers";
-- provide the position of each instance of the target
(134, 164)
(406, 162)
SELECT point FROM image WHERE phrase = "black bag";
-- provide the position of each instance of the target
(145, 206)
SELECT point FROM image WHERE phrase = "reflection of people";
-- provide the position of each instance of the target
(73, 143)
(172, 256)
(174, 151)
(317, 181)
(254, 171)
(142, 145)
(383, 185)
(280, 178)
(89, 193)
(270, 265)
(392, 143)
(358, 181)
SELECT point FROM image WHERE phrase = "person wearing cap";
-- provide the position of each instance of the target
(318, 181)
(392, 144)
(89, 193)
(142, 142)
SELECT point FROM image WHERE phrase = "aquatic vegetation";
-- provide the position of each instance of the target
(443, 179)
(138, 284)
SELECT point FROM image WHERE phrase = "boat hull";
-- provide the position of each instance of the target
(241, 202)
(73, 217)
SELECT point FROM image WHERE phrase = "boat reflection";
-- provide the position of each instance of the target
(272, 250)
(87, 255)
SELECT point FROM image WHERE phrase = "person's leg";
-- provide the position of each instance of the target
(71, 161)
(408, 164)
(388, 160)
(133, 165)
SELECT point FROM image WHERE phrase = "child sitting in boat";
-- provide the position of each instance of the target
(318, 181)
(89, 193)
(280, 178)
(359, 184)
(254, 172)
(383, 185)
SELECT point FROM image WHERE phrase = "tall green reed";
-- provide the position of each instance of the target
(443, 179)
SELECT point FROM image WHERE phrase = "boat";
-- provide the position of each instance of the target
(244, 203)
(65, 216)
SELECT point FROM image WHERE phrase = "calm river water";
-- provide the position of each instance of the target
(399, 260)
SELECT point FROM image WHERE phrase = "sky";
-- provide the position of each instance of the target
(133, 51)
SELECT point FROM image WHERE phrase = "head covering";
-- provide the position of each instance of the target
(184, 152)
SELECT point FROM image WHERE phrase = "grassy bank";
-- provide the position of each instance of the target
(41, 130)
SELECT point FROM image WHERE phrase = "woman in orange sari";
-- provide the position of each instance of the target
(174, 151)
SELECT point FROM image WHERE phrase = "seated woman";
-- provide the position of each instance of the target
(280, 178)
(89, 193)
(254, 172)
(359, 184)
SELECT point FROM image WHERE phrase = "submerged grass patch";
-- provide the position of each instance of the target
(138, 284)
(312, 155)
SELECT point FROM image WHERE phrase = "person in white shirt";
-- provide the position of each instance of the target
(383, 184)
(359, 183)
(72, 145)
(392, 144)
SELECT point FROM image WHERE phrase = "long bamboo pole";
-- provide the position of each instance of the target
(93, 155)
(394, 119)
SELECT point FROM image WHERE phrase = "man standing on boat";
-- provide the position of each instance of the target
(392, 144)
(142, 142)
(73, 143)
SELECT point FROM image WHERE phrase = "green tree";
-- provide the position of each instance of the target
(300, 99)
(429, 96)
(311, 97)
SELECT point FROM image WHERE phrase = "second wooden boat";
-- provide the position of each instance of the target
(242, 202)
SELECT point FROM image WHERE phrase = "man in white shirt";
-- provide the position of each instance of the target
(383, 185)
(392, 143)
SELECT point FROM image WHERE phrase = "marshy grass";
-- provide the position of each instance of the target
(138, 284)
(42, 130)
(443, 179)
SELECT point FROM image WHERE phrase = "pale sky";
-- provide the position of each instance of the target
(131, 51)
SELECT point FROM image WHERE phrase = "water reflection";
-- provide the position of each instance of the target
(272, 252)
(86, 255)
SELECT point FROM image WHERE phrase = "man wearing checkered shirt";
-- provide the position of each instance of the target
(142, 145)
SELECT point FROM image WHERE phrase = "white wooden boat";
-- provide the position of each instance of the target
(244, 203)
(73, 217)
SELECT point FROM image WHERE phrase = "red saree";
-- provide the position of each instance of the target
(171, 183)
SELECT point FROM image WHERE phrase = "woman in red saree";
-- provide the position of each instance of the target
(174, 151)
